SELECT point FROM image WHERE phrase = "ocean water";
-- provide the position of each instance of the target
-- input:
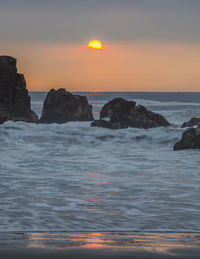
(73, 177)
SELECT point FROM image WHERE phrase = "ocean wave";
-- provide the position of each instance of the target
(74, 177)
(80, 133)
(165, 103)
(147, 102)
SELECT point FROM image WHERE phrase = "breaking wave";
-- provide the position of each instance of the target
(73, 177)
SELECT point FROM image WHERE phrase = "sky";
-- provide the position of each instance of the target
(149, 45)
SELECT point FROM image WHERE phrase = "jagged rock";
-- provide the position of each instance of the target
(14, 98)
(124, 114)
(190, 139)
(61, 106)
(191, 123)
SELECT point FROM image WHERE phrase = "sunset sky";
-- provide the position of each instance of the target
(149, 45)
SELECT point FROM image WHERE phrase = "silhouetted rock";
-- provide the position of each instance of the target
(14, 98)
(61, 106)
(190, 139)
(191, 123)
(124, 114)
(116, 108)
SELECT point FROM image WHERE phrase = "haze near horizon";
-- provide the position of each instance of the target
(147, 45)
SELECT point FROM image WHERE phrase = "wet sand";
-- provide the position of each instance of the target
(99, 245)
(97, 254)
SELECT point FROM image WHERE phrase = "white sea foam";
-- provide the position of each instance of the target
(73, 177)
(166, 103)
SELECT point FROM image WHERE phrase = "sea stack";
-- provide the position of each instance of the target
(123, 114)
(190, 139)
(14, 99)
(61, 106)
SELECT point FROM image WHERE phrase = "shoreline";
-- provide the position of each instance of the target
(99, 245)
(31, 253)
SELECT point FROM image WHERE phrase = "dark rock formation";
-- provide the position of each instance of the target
(14, 98)
(191, 123)
(3, 115)
(124, 114)
(116, 109)
(61, 106)
(190, 139)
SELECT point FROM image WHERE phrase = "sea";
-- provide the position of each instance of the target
(76, 178)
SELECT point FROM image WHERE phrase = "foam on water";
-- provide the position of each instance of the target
(73, 177)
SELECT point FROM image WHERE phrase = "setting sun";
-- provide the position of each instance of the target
(95, 44)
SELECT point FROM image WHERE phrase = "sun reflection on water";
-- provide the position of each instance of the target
(151, 242)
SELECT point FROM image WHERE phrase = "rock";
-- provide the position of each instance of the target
(3, 115)
(116, 108)
(108, 124)
(14, 99)
(124, 114)
(61, 106)
(190, 139)
(191, 123)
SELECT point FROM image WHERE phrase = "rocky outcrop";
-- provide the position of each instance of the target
(124, 114)
(116, 109)
(61, 106)
(191, 123)
(190, 139)
(14, 99)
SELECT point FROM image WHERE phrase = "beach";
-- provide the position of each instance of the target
(46, 254)
(99, 129)
(83, 192)
(99, 245)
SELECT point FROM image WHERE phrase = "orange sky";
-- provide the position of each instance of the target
(121, 66)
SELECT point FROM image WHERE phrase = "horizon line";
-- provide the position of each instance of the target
(115, 91)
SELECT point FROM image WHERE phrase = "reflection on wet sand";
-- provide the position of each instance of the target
(151, 242)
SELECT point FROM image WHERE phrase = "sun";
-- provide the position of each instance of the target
(95, 44)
